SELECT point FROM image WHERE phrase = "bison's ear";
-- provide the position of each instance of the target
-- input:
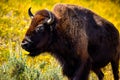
(30, 13)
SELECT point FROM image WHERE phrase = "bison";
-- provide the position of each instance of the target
(77, 37)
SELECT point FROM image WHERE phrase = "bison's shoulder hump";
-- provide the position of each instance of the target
(59, 10)
(62, 9)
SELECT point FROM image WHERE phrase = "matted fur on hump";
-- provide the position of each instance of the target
(70, 21)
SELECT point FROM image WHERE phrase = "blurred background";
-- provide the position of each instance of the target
(14, 21)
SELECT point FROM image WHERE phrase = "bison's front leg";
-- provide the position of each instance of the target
(83, 71)
(85, 60)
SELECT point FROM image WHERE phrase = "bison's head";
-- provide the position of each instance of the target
(39, 35)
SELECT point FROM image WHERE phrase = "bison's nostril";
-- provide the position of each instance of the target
(25, 45)
(28, 39)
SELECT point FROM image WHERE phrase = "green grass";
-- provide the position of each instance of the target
(18, 67)
(14, 21)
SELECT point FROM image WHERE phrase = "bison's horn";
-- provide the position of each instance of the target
(30, 13)
(49, 21)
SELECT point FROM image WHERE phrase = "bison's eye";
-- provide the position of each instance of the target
(39, 28)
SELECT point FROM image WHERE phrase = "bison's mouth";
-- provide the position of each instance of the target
(33, 50)
(34, 53)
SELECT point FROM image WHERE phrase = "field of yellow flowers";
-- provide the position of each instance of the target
(14, 21)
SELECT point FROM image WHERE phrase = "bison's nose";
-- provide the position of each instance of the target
(26, 43)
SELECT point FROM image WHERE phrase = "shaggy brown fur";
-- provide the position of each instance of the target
(80, 40)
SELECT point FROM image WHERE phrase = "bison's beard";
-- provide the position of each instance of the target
(34, 53)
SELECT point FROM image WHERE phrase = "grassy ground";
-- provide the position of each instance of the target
(14, 21)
